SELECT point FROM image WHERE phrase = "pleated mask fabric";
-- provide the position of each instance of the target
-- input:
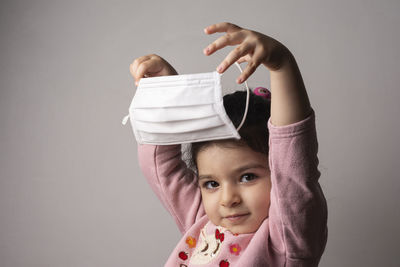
(180, 109)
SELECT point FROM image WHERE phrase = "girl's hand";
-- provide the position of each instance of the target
(289, 100)
(253, 47)
(150, 66)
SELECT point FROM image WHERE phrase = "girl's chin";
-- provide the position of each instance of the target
(241, 229)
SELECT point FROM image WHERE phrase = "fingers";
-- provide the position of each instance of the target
(251, 48)
(252, 65)
(221, 42)
(246, 58)
(239, 52)
(221, 27)
(141, 71)
(232, 37)
(134, 67)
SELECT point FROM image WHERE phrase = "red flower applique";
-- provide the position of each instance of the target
(191, 241)
(224, 263)
(219, 235)
(183, 255)
(235, 249)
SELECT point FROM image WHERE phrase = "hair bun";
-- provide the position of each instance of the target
(263, 92)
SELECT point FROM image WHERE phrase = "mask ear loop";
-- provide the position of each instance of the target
(247, 100)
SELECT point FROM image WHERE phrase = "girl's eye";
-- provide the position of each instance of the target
(210, 184)
(247, 177)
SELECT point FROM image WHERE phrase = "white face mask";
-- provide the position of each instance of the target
(181, 109)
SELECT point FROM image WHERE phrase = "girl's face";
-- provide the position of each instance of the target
(235, 186)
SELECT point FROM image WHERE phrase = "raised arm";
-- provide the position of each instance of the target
(289, 101)
(298, 213)
(174, 184)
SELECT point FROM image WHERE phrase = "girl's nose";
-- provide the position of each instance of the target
(229, 196)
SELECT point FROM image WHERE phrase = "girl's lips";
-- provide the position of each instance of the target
(237, 217)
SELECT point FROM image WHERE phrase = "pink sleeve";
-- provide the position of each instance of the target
(174, 184)
(298, 211)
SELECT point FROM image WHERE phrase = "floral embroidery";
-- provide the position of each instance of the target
(235, 249)
(208, 246)
(224, 263)
(183, 255)
(191, 241)
(219, 235)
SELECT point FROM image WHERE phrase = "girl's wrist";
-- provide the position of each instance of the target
(279, 59)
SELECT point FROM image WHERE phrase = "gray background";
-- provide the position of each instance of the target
(71, 192)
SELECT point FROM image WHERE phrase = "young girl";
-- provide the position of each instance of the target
(254, 201)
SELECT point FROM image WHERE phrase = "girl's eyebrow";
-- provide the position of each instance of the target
(250, 166)
(201, 177)
(237, 170)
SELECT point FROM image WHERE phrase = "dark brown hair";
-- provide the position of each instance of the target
(254, 132)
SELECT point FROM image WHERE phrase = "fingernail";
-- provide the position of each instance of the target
(220, 67)
(136, 83)
(240, 80)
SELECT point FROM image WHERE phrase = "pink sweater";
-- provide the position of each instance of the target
(294, 234)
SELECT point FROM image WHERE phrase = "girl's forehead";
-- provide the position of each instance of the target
(218, 158)
(223, 143)
(228, 147)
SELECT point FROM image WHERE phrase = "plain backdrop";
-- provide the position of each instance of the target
(71, 192)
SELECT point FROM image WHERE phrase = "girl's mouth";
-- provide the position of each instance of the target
(237, 217)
